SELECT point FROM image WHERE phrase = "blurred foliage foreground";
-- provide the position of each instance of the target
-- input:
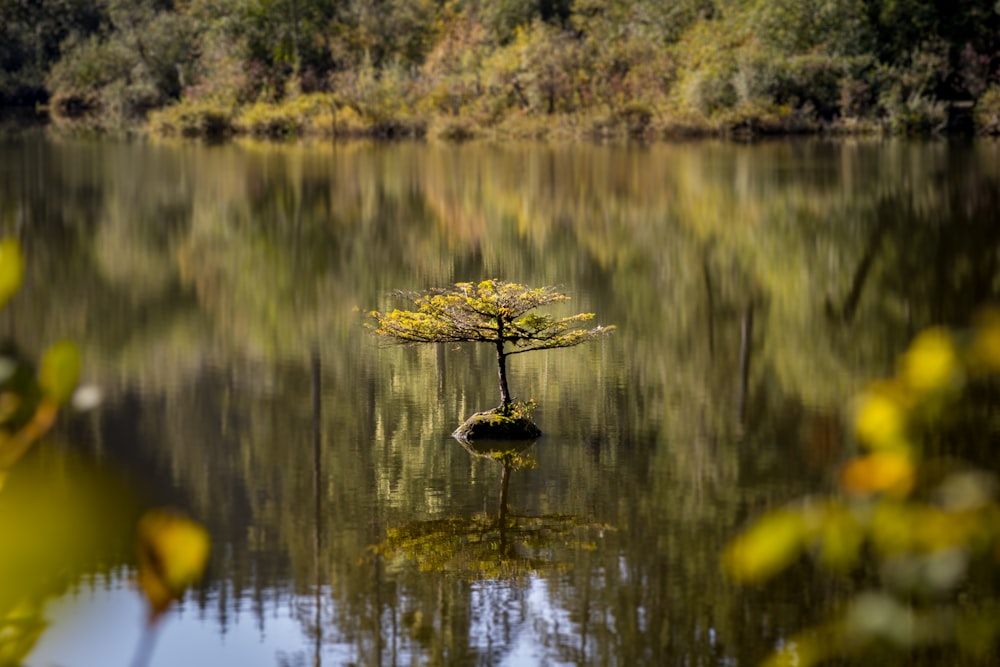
(41, 519)
(916, 528)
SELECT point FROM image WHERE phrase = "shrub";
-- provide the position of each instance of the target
(636, 118)
(914, 114)
(454, 129)
(382, 98)
(986, 114)
(206, 119)
(265, 119)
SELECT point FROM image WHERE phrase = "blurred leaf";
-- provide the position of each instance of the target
(20, 629)
(8, 366)
(932, 363)
(11, 269)
(984, 353)
(944, 569)
(879, 615)
(802, 650)
(772, 543)
(882, 471)
(966, 491)
(840, 537)
(60, 371)
(880, 418)
(901, 527)
(892, 527)
(173, 552)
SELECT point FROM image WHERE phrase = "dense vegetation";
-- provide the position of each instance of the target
(460, 68)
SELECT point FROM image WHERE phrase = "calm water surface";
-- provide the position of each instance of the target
(218, 294)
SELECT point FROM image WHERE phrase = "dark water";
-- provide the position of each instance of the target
(218, 295)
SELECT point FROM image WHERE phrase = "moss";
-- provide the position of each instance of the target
(493, 425)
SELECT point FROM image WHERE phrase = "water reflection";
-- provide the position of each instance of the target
(214, 292)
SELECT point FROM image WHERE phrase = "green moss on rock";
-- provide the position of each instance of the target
(494, 425)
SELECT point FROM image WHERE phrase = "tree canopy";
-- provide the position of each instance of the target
(492, 311)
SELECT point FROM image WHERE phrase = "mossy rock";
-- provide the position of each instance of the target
(492, 425)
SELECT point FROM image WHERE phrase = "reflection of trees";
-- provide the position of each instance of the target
(203, 309)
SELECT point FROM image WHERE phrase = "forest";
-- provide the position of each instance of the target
(460, 69)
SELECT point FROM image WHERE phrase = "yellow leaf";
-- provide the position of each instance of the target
(60, 371)
(772, 543)
(932, 363)
(882, 471)
(173, 551)
(11, 269)
(880, 419)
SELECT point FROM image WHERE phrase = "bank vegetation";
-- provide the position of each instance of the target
(461, 69)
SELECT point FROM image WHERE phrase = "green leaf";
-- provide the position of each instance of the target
(11, 269)
(60, 371)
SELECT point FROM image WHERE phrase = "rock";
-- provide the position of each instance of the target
(492, 425)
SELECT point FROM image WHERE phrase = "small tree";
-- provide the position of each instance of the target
(492, 311)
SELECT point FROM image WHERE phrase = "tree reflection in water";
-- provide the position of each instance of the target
(503, 558)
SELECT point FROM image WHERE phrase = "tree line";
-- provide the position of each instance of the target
(514, 67)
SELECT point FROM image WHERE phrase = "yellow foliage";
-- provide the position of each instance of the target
(923, 539)
(880, 419)
(889, 471)
(932, 363)
(773, 542)
(173, 552)
(899, 527)
(839, 536)
(11, 269)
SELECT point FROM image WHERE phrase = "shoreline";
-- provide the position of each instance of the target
(312, 117)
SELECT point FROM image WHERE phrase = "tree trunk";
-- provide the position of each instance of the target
(504, 486)
(502, 373)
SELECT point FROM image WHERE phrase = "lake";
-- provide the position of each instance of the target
(218, 294)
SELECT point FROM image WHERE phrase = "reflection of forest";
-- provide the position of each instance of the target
(199, 280)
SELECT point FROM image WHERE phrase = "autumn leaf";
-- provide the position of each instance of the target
(881, 471)
(880, 418)
(173, 551)
(772, 543)
(11, 269)
(932, 363)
